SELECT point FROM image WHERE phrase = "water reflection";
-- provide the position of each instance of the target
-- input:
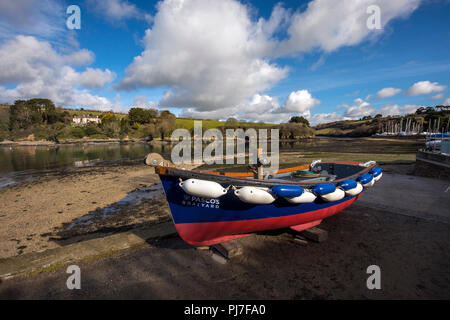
(21, 161)
(22, 158)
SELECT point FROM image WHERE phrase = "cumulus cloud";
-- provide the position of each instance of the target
(396, 110)
(359, 108)
(424, 87)
(142, 102)
(209, 53)
(212, 56)
(388, 92)
(446, 102)
(328, 25)
(38, 70)
(262, 108)
(95, 78)
(300, 102)
(266, 108)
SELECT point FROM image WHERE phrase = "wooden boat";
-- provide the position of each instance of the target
(213, 207)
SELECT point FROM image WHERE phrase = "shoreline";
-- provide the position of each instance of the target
(9, 143)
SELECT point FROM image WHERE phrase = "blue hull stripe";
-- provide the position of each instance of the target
(191, 209)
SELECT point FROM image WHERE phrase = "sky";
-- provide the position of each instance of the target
(266, 61)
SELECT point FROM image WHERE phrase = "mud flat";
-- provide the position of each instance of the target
(70, 205)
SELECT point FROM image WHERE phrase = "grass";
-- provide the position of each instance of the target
(307, 157)
(189, 123)
(327, 131)
(213, 124)
(73, 112)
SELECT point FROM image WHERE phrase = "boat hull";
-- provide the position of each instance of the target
(201, 221)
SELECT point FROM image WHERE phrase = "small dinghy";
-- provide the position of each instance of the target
(213, 207)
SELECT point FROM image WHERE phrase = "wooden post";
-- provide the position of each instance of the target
(229, 249)
(315, 234)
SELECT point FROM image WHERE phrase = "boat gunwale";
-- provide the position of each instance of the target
(239, 179)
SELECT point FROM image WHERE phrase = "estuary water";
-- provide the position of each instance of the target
(22, 162)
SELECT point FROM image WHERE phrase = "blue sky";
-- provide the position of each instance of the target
(255, 60)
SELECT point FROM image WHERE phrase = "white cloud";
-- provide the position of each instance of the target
(446, 102)
(40, 18)
(300, 102)
(388, 92)
(96, 78)
(328, 25)
(396, 110)
(438, 96)
(359, 108)
(262, 108)
(424, 87)
(266, 108)
(37, 70)
(212, 55)
(142, 102)
(209, 54)
(116, 10)
(319, 118)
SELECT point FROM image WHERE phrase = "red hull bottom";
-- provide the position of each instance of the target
(209, 233)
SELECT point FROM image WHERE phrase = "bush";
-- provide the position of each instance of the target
(77, 132)
(91, 129)
(40, 133)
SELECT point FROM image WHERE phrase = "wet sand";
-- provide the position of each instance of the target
(36, 214)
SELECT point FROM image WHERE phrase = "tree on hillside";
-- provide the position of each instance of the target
(231, 123)
(108, 118)
(23, 115)
(293, 130)
(299, 119)
(142, 116)
(26, 113)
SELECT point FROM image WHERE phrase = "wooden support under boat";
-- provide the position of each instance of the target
(229, 249)
(315, 234)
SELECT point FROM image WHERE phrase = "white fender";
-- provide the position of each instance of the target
(336, 195)
(377, 177)
(254, 195)
(370, 184)
(305, 197)
(203, 188)
(356, 190)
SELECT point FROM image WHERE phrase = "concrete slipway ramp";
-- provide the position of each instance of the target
(409, 195)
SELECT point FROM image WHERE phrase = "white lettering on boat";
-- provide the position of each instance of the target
(194, 201)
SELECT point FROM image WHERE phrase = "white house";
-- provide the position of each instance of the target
(82, 120)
